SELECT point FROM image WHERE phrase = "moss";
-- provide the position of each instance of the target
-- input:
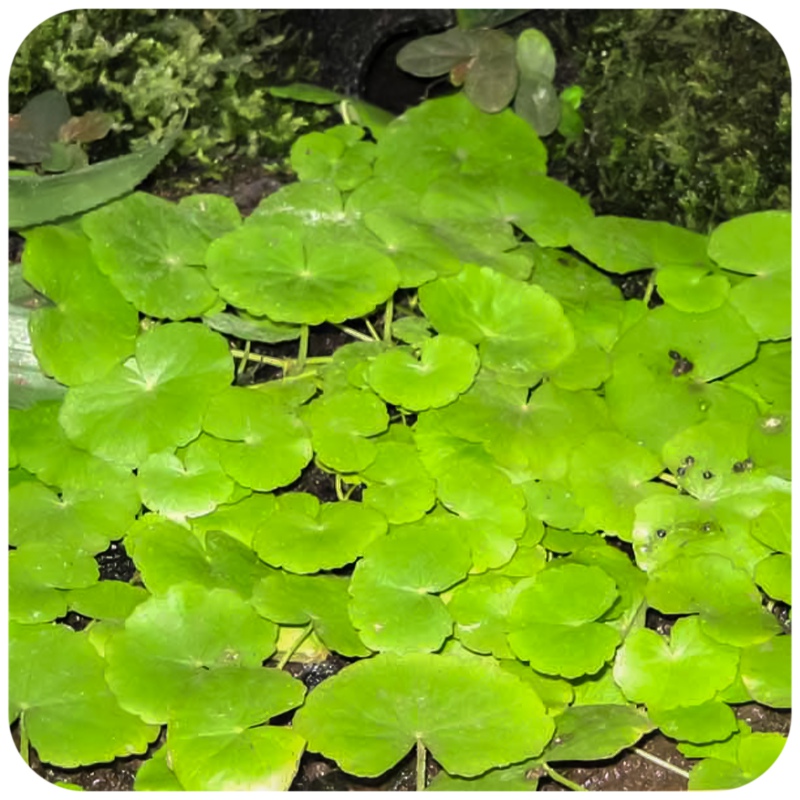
(688, 116)
(146, 66)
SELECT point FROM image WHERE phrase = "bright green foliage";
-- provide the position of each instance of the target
(341, 423)
(516, 778)
(153, 251)
(320, 599)
(423, 700)
(446, 368)
(58, 692)
(754, 755)
(109, 600)
(591, 733)
(395, 584)
(495, 312)
(153, 402)
(307, 536)
(91, 328)
(338, 154)
(264, 444)
(766, 671)
(707, 722)
(553, 621)
(239, 520)
(172, 643)
(217, 738)
(687, 671)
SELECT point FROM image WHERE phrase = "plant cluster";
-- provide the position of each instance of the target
(212, 65)
(525, 463)
(495, 70)
(677, 126)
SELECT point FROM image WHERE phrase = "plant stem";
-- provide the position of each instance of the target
(421, 776)
(660, 761)
(648, 292)
(293, 649)
(668, 477)
(388, 316)
(338, 484)
(280, 363)
(561, 779)
(355, 334)
(302, 353)
(24, 742)
(244, 358)
(371, 329)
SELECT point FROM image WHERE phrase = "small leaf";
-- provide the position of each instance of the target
(538, 103)
(708, 722)
(535, 54)
(430, 56)
(766, 671)
(491, 79)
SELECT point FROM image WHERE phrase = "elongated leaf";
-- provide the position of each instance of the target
(435, 55)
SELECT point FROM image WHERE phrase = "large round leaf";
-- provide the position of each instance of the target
(153, 251)
(91, 327)
(153, 402)
(171, 642)
(56, 685)
(521, 330)
(292, 271)
(371, 714)
(753, 244)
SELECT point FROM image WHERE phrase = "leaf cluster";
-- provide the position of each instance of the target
(502, 433)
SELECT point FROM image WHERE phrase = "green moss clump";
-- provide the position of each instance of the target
(687, 113)
(145, 66)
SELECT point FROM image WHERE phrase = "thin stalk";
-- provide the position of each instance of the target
(660, 761)
(355, 334)
(243, 359)
(371, 329)
(421, 767)
(293, 649)
(388, 316)
(559, 778)
(280, 363)
(338, 484)
(302, 352)
(24, 742)
(648, 292)
(668, 477)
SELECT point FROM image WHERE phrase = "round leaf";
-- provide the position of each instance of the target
(153, 402)
(369, 716)
(766, 671)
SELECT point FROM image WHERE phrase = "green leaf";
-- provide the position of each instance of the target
(35, 200)
(757, 752)
(314, 270)
(397, 483)
(516, 778)
(171, 643)
(216, 739)
(56, 687)
(154, 775)
(188, 483)
(395, 584)
(239, 520)
(774, 576)
(368, 716)
(110, 600)
(687, 670)
(764, 301)
(753, 244)
(320, 599)
(446, 367)
(552, 623)
(491, 78)
(336, 155)
(449, 135)
(341, 423)
(91, 328)
(692, 289)
(535, 54)
(264, 444)
(538, 103)
(521, 330)
(430, 56)
(708, 722)
(252, 329)
(610, 495)
(593, 733)
(305, 536)
(305, 93)
(766, 671)
(153, 252)
(153, 402)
